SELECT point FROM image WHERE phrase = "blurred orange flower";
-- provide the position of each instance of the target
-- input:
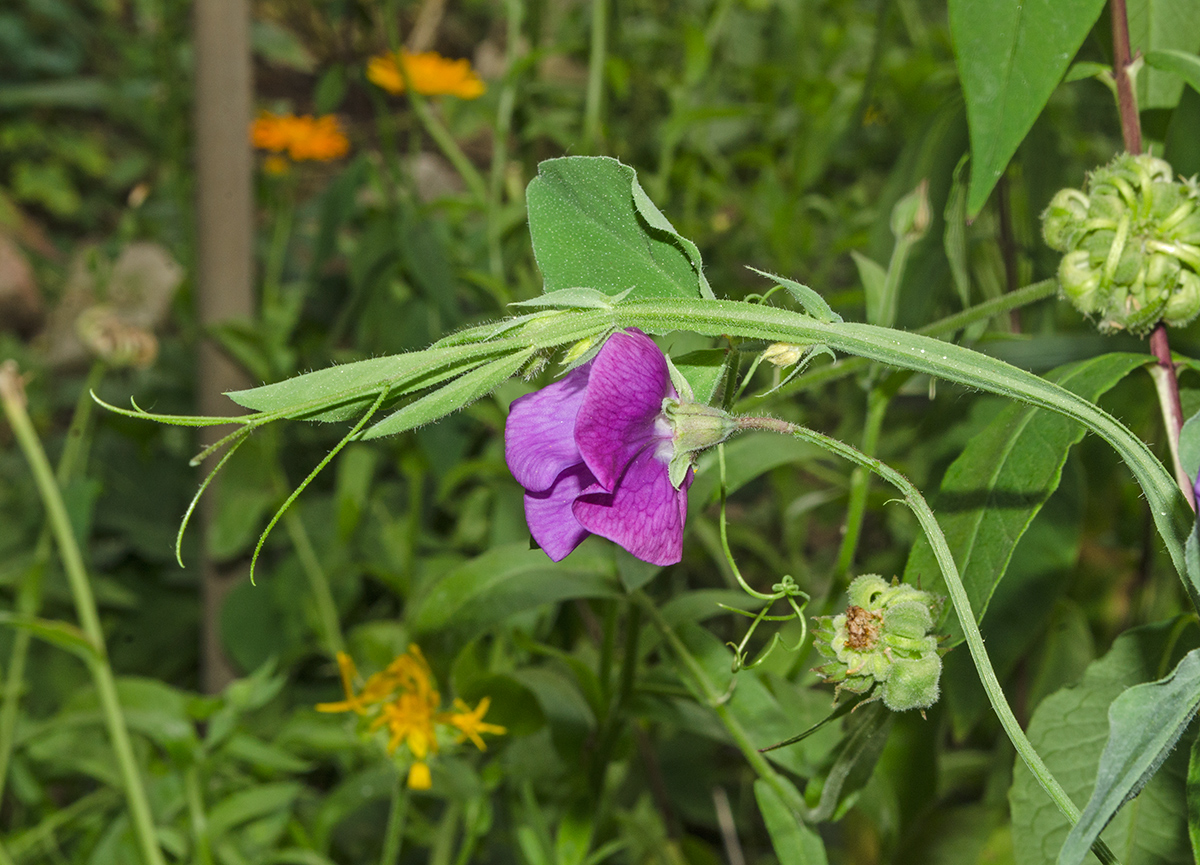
(302, 138)
(403, 700)
(429, 73)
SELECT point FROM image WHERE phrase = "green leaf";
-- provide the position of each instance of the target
(1193, 798)
(811, 302)
(507, 580)
(592, 226)
(61, 634)
(250, 804)
(703, 370)
(1069, 730)
(995, 488)
(1179, 63)
(874, 279)
(1010, 58)
(1159, 26)
(1144, 723)
(341, 392)
(461, 392)
(61, 93)
(794, 842)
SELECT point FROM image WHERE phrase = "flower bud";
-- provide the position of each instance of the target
(1185, 301)
(911, 215)
(1080, 281)
(784, 353)
(1063, 217)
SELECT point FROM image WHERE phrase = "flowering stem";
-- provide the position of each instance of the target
(958, 595)
(595, 81)
(393, 838)
(514, 11)
(277, 253)
(318, 581)
(29, 593)
(1131, 126)
(712, 697)
(12, 396)
(449, 147)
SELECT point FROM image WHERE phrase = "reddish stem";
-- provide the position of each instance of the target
(1131, 126)
(1160, 347)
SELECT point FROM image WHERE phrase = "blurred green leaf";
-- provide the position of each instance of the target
(61, 634)
(250, 804)
(1157, 27)
(1179, 63)
(1010, 58)
(793, 841)
(493, 586)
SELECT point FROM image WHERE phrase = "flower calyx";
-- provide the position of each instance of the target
(1131, 244)
(695, 427)
(883, 639)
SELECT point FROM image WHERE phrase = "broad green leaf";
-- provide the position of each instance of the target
(61, 634)
(704, 370)
(1179, 63)
(506, 580)
(1069, 730)
(1161, 26)
(998, 484)
(574, 836)
(1144, 723)
(592, 226)
(795, 843)
(1010, 58)
(874, 280)
(462, 391)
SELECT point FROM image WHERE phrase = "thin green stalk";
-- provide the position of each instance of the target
(449, 147)
(29, 593)
(13, 397)
(277, 252)
(715, 699)
(514, 12)
(318, 582)
(595, 80)
(958, 595)
(860, 482)
(197, 816)
(393, 838)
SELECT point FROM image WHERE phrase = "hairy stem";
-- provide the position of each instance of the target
(958, 596)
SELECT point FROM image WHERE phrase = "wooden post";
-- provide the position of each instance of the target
(224, 246)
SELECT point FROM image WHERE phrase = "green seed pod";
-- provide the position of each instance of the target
(913, 683)
(1063, 218)
(1184, 304)
(1080, 282)
(1124, 260)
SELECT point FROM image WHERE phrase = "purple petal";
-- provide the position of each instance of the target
(645, 515)
(624, 400)
(549, 515)
(539, 436)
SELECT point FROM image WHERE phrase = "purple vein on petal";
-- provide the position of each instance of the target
(624, 399)
(645, 515)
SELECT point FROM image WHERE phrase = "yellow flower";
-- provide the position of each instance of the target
(402, 700)
(429, 73)
(303, 138)
(470, 722)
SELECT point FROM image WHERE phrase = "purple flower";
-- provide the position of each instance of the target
(592, 451)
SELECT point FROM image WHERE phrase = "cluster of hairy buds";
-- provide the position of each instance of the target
(1131, 240)
(883, 641)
